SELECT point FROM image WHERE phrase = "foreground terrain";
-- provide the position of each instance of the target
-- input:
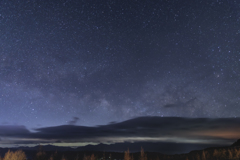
(220, 153)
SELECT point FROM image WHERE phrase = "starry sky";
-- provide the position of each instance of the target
(95, 62)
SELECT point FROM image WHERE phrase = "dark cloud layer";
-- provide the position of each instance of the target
(154, 129)
(9, 130)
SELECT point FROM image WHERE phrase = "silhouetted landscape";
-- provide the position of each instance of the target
(49, 152)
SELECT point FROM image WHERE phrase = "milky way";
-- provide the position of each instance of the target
(95, 62)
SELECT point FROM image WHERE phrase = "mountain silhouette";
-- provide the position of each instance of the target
(237, 143)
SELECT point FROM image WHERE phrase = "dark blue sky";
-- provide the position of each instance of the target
(92, 62)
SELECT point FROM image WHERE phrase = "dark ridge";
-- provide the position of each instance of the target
(236, 143)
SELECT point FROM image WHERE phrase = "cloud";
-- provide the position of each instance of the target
(74, 121)
(155, 129)
(13, 130)
(182, 104)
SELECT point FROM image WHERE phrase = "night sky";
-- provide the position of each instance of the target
(95, 62)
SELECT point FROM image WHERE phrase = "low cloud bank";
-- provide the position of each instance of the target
(148, 129)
